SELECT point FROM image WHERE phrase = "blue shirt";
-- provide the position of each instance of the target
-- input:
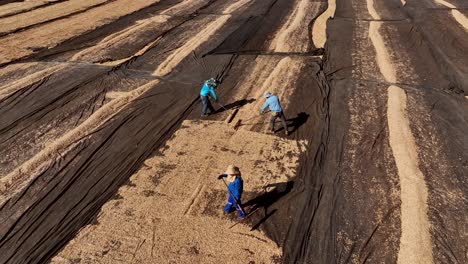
(236, 187)
(207, 90)
(273, 103)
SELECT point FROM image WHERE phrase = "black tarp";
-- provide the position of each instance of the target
(344, 206)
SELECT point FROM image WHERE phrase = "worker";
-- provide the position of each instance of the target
(272, 102)
(235, 189)
(208, 89)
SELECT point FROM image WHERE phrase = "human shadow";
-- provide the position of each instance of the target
(298, 121)
(257, 225)
(238, 103)
(273, 192)
(294, 123)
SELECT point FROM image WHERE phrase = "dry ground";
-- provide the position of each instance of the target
(171, 211)
(104, 157)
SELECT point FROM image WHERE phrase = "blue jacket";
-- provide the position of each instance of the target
(207, 90)
(273, 103)
(236, 187)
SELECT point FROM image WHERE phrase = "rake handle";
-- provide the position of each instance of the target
(235, 200)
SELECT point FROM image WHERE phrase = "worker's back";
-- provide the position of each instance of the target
(205, 90)
(208, 89)
(273, 103)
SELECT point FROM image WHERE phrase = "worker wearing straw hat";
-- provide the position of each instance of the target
(235, 189)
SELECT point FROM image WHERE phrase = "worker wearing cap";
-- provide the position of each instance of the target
(272, 102)
(235, 189)
(208, 89)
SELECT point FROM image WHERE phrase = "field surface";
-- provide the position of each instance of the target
(105, 158)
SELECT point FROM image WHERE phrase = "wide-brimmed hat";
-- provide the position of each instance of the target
(267, 94)
(232, 170)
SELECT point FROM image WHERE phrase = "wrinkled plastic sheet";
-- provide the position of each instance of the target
(332, 213)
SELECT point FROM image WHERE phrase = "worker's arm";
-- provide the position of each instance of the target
(213, 93)
(222, 176)
(265, 105)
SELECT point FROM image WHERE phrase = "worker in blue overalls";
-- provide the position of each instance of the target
(235, 189)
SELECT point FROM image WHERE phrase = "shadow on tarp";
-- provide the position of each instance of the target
(238, 103)
(294, 123)
(273, 192)
(298, 121)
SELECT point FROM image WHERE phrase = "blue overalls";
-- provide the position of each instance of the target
(235, 191)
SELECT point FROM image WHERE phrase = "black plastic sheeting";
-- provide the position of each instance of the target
(344, 217)
(69, 193)
(4, 2)
(448, 43)
(344, 205)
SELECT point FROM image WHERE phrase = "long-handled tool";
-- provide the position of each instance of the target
(239, 122)
(235, 200)
(243, 219)
(222, 106)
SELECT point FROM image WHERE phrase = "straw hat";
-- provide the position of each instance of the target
(232, 170)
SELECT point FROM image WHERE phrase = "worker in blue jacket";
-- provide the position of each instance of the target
(272, 102)
(208, 89)
(235, 189)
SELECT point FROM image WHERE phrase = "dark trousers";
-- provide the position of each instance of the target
(281, 116)
(206, 105)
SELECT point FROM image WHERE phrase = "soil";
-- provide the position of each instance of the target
(186, 203)
(105, 158)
